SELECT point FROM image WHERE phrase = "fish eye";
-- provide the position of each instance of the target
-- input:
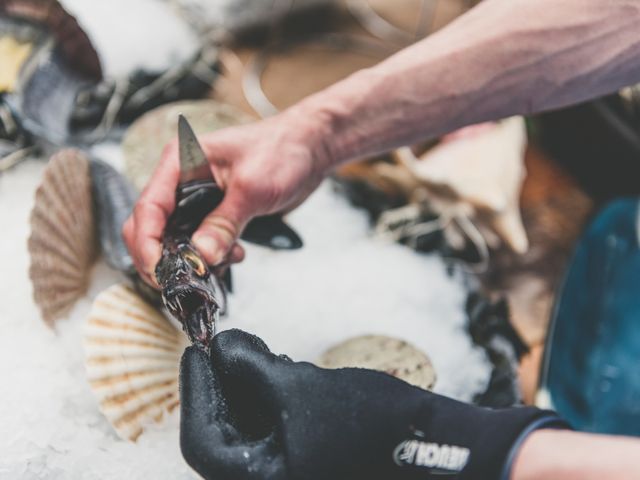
(196, 263)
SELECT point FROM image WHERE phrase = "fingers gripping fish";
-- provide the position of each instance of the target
(191, 291)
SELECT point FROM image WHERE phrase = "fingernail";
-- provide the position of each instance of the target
(208, 247)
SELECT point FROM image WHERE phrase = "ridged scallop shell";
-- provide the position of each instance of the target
(145, 139)
(62, 245)
(132, 360)
(386, 354)
(74, 42)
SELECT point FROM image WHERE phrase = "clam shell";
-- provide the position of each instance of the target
(72, 40)
(145, 139)
(132, 360)
(62, 245)
(386, 354)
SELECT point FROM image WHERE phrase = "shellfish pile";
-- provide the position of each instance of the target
(460, 195)
(52, 89)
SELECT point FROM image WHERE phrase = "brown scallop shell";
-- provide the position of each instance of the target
(74, 42)
(62, 245)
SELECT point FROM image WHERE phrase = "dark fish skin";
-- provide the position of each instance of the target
(191, 292)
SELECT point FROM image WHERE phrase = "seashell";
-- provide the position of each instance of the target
(62, 245)
(386, 354)
(74, 43)
(482, 166)
(145, 139)
(132, 359)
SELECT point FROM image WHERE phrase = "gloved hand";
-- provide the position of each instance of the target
(249, 414)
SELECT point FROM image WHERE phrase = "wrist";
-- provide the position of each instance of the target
(576, 456)
(472, 442)
(542, 424)
(312, 127)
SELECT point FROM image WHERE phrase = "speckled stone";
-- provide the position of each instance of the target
(386, 354)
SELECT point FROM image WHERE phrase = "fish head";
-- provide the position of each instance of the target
(190, 292)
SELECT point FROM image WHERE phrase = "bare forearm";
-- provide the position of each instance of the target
(504, 57)
(550, 454)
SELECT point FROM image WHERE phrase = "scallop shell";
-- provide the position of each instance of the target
(132, 359)
(386, 354)
(73, 41)
(147, 136)
(62, 245)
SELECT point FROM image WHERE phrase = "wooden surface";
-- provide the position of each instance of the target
(308, 67)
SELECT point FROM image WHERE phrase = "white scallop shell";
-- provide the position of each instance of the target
(146, 138)
(132, 360)
(386, 354)
(62, 245)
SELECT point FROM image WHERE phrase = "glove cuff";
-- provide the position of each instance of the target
(450, 437)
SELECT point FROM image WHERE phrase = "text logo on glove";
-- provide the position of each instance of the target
(443, 458)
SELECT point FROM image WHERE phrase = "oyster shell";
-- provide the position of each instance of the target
(62, 245)
(386, 354)
(143, 143)
(132, 360)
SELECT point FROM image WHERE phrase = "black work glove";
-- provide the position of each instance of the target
(249, 414)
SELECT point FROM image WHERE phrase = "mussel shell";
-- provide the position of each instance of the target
(47, 99)
(47, 60)
(113, 198)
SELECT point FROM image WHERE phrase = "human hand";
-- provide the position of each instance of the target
(266, 167)
(247, 413)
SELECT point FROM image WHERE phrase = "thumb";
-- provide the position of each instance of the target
(220, 230)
